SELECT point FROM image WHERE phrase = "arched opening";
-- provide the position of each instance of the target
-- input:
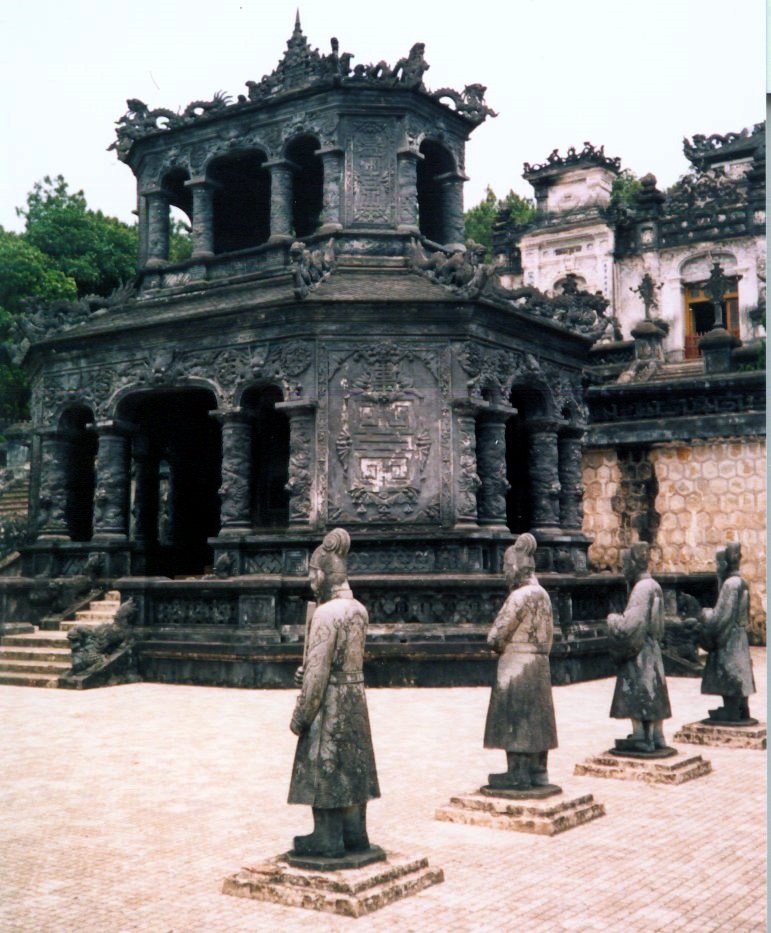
(436, 163)
(307, 185)
(180, 213)
(529, 404)
(80, 475)
(241, 201)
(270, 457)
(177, 458)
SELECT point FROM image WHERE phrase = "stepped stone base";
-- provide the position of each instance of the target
(545, 817)
(675, 770)
(352, 893)
(719, 734)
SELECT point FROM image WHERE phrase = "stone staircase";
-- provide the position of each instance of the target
(40, 658)
(14, 499)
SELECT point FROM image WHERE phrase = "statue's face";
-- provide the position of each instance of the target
(629, 566)
(316, 579)
(515, 573)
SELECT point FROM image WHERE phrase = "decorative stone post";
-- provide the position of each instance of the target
(570, 447)
(235, 489)
(302, 418)
(112, 481)
(157, 226)
(407, 174)
(331, 208)
(467, 481)
(544, 472)
(203, 217)
(281, 186)
(144, 507)
(452, 209)
(491, 466)
(54, 450)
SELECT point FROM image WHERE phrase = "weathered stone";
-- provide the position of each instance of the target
(669, 771)
(542, 817)
(708, 732)
(351, 893)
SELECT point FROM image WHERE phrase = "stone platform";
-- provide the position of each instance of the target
(544, 817)
(352, 893)
(722, 735)
(675, 769)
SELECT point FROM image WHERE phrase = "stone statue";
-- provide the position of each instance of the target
(520, 717)
(641, 687)
(723, 633)
(334, 766)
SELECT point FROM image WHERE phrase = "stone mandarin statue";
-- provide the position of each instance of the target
(520, 717)
(641, 687)
(723, 633)
(334, 766)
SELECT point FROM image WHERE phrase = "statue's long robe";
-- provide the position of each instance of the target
(641, 685)
(728, 671)
(334, 763)
(520, 716)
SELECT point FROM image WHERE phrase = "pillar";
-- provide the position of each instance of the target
(467, 482)
(491, 466)
(157, 227)
(281, 188)
(407, 176)
(544, 471)
(112, 481)
(332, 202)
(144, 507)
(570, 448)
(235, 488)
(302, 436)
(452, 209)
(203, 217)
(52, 498)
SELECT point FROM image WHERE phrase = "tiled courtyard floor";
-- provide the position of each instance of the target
(124, 808)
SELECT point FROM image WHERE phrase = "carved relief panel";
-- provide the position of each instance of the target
(383, 434)
(370, 173)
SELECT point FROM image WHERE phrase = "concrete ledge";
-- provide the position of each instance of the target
(700, 733)
(542, 817)
(675, 770)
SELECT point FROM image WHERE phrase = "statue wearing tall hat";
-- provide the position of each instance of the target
(723, 633)
(334, 767)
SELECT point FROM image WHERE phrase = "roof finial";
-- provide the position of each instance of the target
(297, 27)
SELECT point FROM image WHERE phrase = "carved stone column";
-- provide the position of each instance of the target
(467, 482)
(112, 481)
(144, 498)
(491, 466)
(407, 169)
(54, 453)
(543, 469)
(302, 425)
(452, 209)
(235, 488)
(281, 187)
(331, 208)
(203, 217)
(157, 227)
(570, 447)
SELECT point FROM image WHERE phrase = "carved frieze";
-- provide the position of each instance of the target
(371, 173)
(383, 434)
(206, 610)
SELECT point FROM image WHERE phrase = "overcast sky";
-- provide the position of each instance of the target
(634, 77)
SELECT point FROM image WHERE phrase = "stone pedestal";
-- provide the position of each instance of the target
(352, 892)
(544, 816)
(675, 769)
(706, 732)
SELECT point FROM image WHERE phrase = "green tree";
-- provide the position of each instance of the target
(480, 220)
(180, 242)
(26, 275)
(625, 187)
(98, 252)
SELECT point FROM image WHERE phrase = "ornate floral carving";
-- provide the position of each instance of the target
(310, 267)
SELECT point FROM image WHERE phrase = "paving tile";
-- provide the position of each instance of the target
(125, 807)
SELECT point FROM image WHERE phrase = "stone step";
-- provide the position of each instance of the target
(36, 640)
(28, 680)
(34, 654)
(52, 668)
